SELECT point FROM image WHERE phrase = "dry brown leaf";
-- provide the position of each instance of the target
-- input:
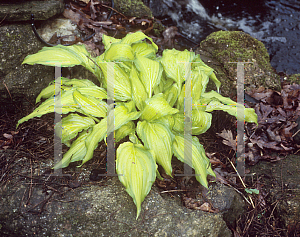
(220, 178)
(228, 138)
(8, 136)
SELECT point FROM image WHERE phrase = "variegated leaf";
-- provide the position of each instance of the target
(63, 56)
(71, 125)
(124, 131)
(144, 49)
(48, 106)
(119, 52)
(90, 105)
(97, 135)
(157, 107)
(137, 37)
(201, 121)
(158, 138)
(139, 94)
(150, 73)
(230, 106)
(198, 161)
(76, 152)
(137, 171)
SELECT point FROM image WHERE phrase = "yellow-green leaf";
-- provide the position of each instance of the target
(167, 120)
(157, 107)
(134, 139)
(230, 106)
(198, 161)
(49, 91)
(97, 135)
(120, 82)
(137, 171)
(171, 94)
(197, 87)
(137, 37)
(76, 82)
(76, 152)
(201, 121)
(94, 91)
(71, 125)
(65, 84)
(174, 63)
(215, 80)
(178, 126)
(139, 94)
(119, 52)
(144, 49)
(150, 72)
(63, 56)
(48, 106)
(108, 40)
(124, 131)
(122, 115)
(198, 63)
(158, 138)
(90, 105)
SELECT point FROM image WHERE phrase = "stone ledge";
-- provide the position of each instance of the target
(22, 10)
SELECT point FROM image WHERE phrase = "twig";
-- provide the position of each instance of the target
(114, 10)
(240, 193)
(3, 18)
(241, 181)
(93, 62)
(6, 86)
(271, 215)
(173, 191)
(281, 176)
(43, 202)
(30, 187)
(296, 133)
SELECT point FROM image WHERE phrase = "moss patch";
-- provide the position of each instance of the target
(295, 78)
(222, 49)
(133, 8)
(158, 28)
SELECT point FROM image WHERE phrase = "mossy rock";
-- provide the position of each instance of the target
(133, 8)
(158, 28)
(21, 10)
(221, 50)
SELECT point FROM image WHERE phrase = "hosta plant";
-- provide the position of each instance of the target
(149, 94)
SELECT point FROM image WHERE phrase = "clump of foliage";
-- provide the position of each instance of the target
(149, 93)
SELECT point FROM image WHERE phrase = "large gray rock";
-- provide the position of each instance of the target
(283, 185)
(18, 41)
(100, 208)
(23, 82)
(19, 81)
(21, 10)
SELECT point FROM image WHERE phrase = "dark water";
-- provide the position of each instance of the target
(275, 22)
